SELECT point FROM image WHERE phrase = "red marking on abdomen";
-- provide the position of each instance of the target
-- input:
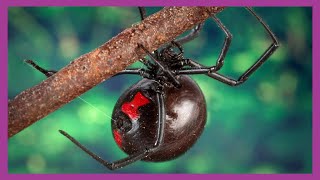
(131, 108)
(117, 137)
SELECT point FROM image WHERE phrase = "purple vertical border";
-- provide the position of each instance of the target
(315, 88)
(4, 4)
(3, 89)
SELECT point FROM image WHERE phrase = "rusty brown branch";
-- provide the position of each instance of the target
(98, 65)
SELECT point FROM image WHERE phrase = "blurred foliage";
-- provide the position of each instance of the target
(262, 126)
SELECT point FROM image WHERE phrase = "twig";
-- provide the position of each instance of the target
(98, 65)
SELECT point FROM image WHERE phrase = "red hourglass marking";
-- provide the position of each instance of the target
(131, 108)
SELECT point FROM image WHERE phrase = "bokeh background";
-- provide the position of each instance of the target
(262, 126)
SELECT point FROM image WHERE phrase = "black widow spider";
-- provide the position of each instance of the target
(161, 117)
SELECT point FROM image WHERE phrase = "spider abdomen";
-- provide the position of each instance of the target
(135, 118)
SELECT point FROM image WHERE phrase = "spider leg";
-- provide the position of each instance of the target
(48, 73)
(234, 82)
(224, 50)
(134, 157)
(177, 43)
(142, 72)
(142, 12)
(226, 45)
(192, 35)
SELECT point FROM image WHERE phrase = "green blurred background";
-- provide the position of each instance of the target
(262, 126)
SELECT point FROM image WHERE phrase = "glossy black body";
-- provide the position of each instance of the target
(185, 119)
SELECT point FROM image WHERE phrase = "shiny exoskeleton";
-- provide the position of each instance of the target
(135, 118)
(162, 116)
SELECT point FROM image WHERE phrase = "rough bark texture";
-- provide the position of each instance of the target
(98, 65)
